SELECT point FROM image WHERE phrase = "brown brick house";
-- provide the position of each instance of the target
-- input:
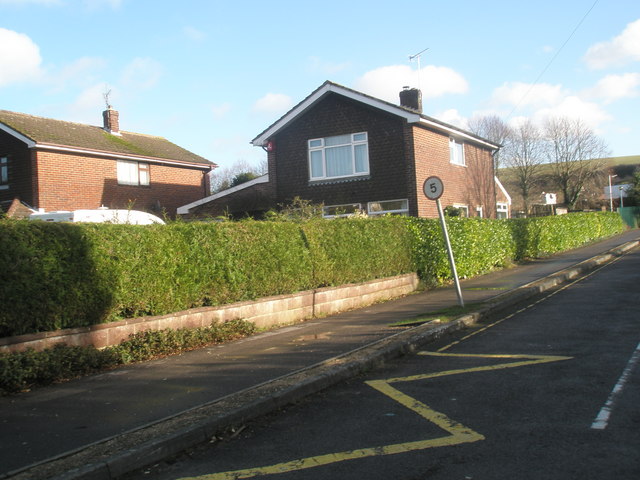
(351, 151)
(57, 165)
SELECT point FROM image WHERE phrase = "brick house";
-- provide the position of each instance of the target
(57, 165)
(353, 152)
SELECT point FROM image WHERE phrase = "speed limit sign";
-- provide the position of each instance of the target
(433, 188)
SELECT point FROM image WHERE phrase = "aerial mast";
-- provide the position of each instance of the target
(418, 55)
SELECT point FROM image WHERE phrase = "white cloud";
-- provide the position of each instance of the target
(89, 104)
(387, 82)
(273, 103)
(80, 72)
(452, 117)
(616, 87)
(621, 50)
(220, 111)
(20, 58)
(97, 4)
(30, 2)
(316, 64)
(194, 34)
(574, 107)
(526, 94)
(141, 74)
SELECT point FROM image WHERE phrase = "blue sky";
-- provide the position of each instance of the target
(211, 75)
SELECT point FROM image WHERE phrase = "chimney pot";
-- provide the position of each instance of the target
(411, 98)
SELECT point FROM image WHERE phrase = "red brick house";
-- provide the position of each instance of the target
(57, 165)
(354, 152)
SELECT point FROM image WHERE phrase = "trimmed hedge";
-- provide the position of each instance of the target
(481, 245)
(62, 275)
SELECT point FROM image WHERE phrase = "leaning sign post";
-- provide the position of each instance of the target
(433, 189)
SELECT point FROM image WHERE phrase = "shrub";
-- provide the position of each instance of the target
(62, 275)
(22, 370)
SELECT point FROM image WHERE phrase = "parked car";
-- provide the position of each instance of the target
(101, 215)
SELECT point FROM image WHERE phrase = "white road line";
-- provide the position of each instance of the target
(601, 421)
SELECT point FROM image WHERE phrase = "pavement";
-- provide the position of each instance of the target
(106, 425)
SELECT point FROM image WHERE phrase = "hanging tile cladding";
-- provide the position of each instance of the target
(20, 170)
(336, 115)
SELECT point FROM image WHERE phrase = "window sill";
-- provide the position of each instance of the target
(331, 181)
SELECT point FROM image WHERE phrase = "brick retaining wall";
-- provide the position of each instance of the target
(264, 312)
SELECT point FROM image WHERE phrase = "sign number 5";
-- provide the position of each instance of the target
(433, 188)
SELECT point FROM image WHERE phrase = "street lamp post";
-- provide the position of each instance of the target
(611, 192)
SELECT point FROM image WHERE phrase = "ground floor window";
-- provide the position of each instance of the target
(133, 173)
(502, 210)
(4, 172)
(332, 211)
(463, 209)
(398, 207)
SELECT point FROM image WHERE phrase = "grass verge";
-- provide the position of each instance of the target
(21, 371)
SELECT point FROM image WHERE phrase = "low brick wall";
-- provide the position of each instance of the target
(264, 312)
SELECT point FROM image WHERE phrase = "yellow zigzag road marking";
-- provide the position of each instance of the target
(458, 433)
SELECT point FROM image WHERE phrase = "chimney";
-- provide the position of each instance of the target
(110, 121)
(411, 98)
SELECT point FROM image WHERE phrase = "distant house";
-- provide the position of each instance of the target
(353, 152)
(56, 165)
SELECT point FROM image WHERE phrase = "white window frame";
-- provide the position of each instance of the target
(502, 207)
(317, 147)
(479, 211)
(4, 172)
(464, 208)
(354, 207)
(372, 210)
(133, 173)
(456, 152)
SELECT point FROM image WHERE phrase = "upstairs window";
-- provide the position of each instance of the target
(339, 157)
(4, 172)
(133, 173)
(456, 151)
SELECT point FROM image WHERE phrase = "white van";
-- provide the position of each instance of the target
(101, 215)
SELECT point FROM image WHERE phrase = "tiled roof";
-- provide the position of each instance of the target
(49, 132)
(331, 87)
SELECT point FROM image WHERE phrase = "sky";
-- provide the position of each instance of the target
(211, 75)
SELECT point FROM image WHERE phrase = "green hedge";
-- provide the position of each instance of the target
(62, 275)
(482, 245)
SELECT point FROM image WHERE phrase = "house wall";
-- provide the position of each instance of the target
(253, 201)
(21, 169)
(471, 185)
(70, 182)
(337, 115)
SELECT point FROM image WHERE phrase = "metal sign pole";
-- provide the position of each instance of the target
(452, 262)
(433, 189)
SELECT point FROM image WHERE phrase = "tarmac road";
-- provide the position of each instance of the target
(550, 392)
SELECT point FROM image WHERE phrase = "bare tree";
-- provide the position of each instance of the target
(524, 153)
(574, 152)
(227, 177)
(494, 129)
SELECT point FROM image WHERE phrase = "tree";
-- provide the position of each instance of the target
(241, 171)
(574, 152)
(494, 129)
(524, 153)
(242, 178)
